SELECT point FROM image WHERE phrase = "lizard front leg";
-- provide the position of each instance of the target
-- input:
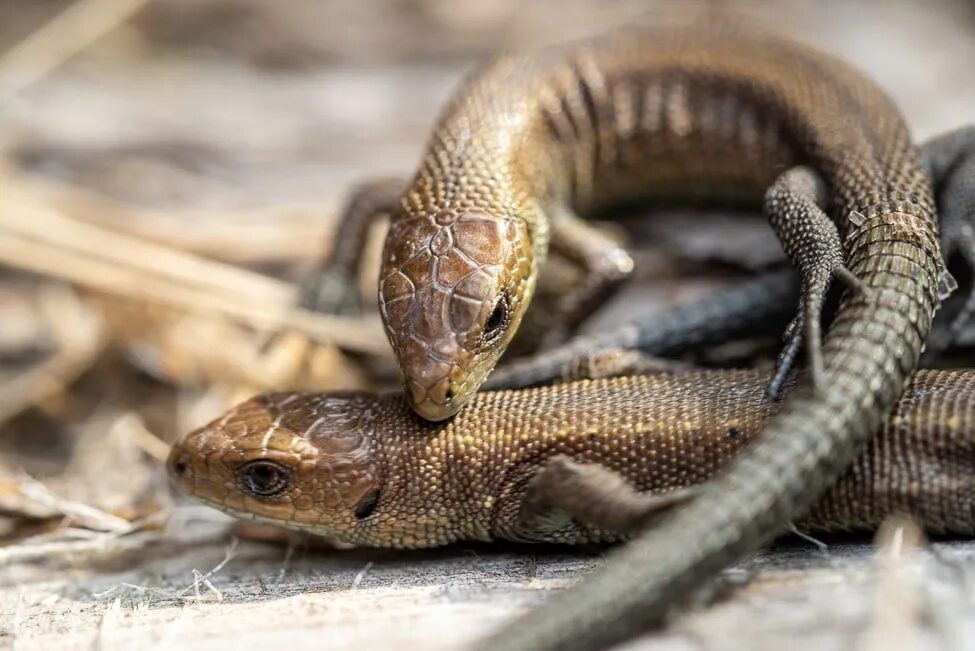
(590, 494)
(605, 263)
(811, 241)
(333, 287)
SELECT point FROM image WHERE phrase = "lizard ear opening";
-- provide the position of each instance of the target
(367, 505)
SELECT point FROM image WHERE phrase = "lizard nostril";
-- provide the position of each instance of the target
(180, 468)
(448, 397)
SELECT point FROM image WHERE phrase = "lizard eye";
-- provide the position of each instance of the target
(264, 478)
(496, 322)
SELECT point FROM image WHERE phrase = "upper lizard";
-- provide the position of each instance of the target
(711, 110)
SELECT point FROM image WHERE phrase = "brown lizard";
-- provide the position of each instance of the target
(578, 462)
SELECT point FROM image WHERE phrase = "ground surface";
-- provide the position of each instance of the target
(146, 593)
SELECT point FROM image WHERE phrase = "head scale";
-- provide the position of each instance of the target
(299, 460)
(453, 288)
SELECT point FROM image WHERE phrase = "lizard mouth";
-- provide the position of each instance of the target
(435, 403)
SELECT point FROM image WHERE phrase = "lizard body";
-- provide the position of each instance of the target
(365, 470)
(707, 111)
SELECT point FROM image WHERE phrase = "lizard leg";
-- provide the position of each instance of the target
(590, 494)
(950, 160)
(614, 362)
(810, 239)
(605, 263)
(333, 287)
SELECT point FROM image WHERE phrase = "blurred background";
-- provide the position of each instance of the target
(169, 169)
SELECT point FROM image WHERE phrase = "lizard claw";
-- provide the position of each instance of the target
(787, 358)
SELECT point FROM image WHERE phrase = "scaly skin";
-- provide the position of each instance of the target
(661, 432)
(757, 304)
(763, 302)
(712, 111)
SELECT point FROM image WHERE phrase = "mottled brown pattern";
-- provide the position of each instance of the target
(465, 479)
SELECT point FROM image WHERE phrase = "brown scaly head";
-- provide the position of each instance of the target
(453, 287)
(464, 245)
(300, 460)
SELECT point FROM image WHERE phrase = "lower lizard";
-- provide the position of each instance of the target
(551, 464)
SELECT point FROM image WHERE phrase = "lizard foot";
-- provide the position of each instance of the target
(811, 240)
(333, 287)
(593, 495)
(331, 291)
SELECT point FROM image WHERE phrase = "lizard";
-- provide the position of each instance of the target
(582, 462)
(714, 111)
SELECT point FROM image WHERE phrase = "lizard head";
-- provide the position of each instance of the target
(453, 288)
(300, 460)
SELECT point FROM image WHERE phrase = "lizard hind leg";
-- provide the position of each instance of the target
(810, 239)
(590, 494)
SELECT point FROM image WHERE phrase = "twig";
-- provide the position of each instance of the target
(823, 547)
(897, 612)
(141, 589)
(204, 579)
(80, 340)
(29, 549)
(262, 302)
(71, 31)
(88, 516)
(132, 426)
(27, 219)
(296, 232)
(361, 575)
(288, 553)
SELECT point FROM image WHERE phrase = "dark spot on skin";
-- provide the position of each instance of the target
(264, 478)
(179, 468)
(734, 432)
(367, 505)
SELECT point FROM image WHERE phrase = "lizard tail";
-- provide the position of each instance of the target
(873, 345)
